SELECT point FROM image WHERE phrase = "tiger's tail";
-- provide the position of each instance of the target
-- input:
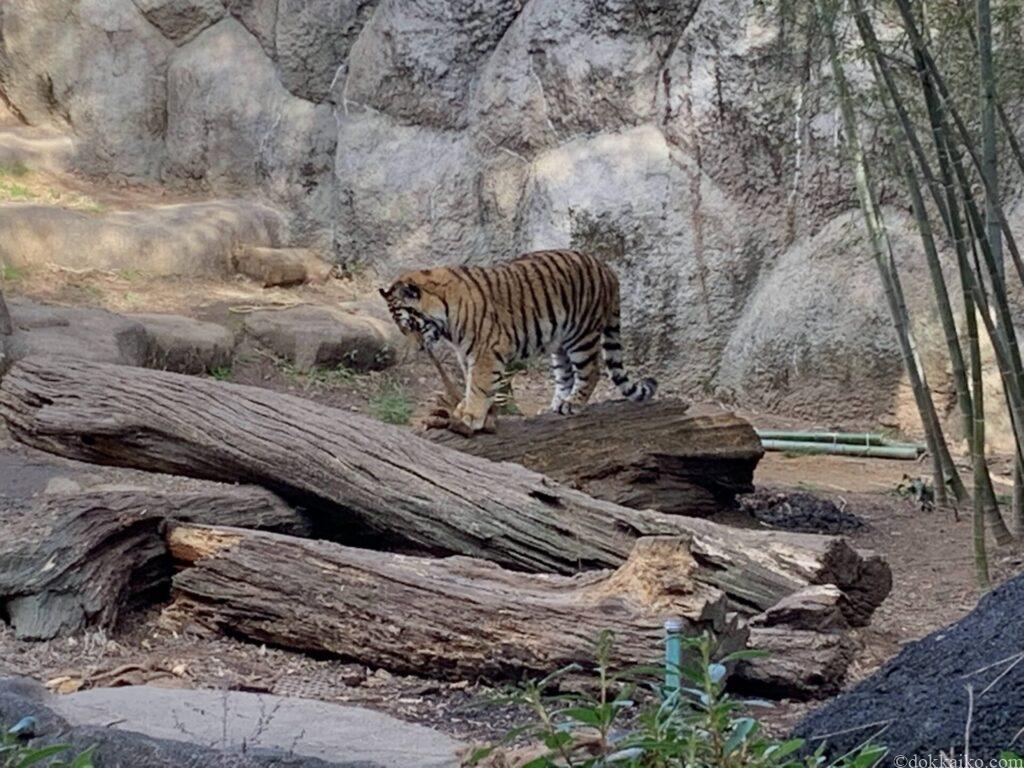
(612, 349)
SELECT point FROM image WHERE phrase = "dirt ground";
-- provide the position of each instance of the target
(928, 551)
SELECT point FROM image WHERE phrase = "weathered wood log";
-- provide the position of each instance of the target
(384, 481)
(453, 617)
(72, 560)
(6, 326)
(801, 664)
(661, 454)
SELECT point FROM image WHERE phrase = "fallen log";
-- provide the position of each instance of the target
(72, 560)
(661, 455)
(801, 664)
(382, 481)
(454, 617)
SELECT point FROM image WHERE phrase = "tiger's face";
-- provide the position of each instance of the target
(417, 312)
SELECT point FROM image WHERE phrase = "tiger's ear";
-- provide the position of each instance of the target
(383, 292)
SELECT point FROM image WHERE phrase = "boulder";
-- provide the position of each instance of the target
(193, 239)
(917, 704)
(281, 266)
(71, 332)
(350, 335)
(307, 730)
(186, 345)
(180, 20)
(815, 337)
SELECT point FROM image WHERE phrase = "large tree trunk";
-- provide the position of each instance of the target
(385, 482)
(73, 560)
(659, 455)
(454, 617)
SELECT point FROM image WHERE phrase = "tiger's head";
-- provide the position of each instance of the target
(417, 307)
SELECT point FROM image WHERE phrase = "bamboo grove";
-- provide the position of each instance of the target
(929, 76)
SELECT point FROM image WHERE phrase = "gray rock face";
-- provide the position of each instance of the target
(415, 61)
(403, 133)
(96, 67)
(232, 125)
(312, 41)
(181, 20)
(257, 16)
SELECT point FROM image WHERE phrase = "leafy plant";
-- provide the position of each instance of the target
(9, 272)
(221, 372)
(14, 753)
(391, 404)
(633, 719)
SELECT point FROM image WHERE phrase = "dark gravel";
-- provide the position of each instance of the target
(798, 511)
(920, 698)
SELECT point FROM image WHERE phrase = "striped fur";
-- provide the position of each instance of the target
(564, 303)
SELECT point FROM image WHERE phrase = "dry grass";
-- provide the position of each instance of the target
(19, 184)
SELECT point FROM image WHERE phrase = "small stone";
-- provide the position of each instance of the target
(281, 266)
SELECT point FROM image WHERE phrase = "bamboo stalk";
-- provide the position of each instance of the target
(981, 475)
(921, 52)
(973, 293)
(890, 276)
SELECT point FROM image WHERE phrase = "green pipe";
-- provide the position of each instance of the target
(843, 449)
(673, 654)
(853, 438)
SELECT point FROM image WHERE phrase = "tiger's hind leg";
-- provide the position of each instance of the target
(562, 372)
(584, 360)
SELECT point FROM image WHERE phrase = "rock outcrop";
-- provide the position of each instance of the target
(685, 142)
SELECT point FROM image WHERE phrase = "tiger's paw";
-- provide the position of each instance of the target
(467, 424)
(567, 408)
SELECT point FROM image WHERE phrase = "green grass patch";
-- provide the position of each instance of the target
(392, 404)
(14, 191)
(9, 272)
(221, 373)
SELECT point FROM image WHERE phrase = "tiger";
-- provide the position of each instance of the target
(561, 302)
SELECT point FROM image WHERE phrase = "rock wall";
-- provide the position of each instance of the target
(683, 140)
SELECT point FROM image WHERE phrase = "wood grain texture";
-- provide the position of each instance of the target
(75, 560)
(385, 481)
(452, 617)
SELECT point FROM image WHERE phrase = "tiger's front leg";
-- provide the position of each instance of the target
(475, 412)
